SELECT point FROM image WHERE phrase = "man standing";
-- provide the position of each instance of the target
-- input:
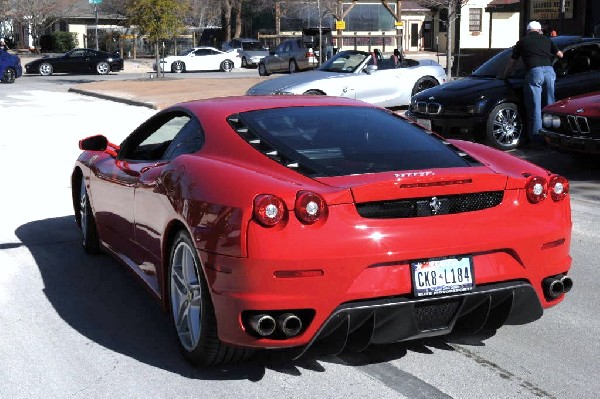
(537, 52)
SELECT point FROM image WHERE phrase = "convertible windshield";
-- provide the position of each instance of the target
(346, 61)
(495, 66)
(343, 140)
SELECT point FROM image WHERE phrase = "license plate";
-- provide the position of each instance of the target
(426, 123)
(442, 276)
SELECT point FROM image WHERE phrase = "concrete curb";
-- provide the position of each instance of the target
(113, 98)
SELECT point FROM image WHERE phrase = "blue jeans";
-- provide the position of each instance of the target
(538, 90)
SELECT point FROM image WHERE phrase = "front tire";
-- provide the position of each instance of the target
(87, 223)
(504, 127)
(262, 70)
(9, 76)
(226, 66)
(425, 82)
(45, 69)
(102, 68)
(178, 67)
(192, 310)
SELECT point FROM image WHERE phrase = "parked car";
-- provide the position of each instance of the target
(251, 51)
(291, 56)
(79, 60)
(201, 59)
(490, 109)
(309, 221)
(356, 74)
(10, 67)
(573, 124)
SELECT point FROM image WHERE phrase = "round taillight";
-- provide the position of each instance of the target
(536, 189)
(269, 209)
(558, 187)
(309, 207)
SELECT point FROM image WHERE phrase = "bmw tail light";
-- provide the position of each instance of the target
(269, 210)
(309, 207)
(536, 189)
(558, 187)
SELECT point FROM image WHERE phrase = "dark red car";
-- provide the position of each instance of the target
(320, 222)
(573, 124)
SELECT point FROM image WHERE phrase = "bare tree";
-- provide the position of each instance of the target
(452, 7)
(38, 15)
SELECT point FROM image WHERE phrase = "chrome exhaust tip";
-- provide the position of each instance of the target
(289, 324)
(567, 283)
(263, 324)
(553, 287)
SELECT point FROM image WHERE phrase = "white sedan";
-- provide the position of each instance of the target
(360, 75)
(201, 59)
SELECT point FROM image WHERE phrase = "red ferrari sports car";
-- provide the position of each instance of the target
(325, 223)
(573, 125)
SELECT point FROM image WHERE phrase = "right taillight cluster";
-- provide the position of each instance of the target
(270, 210)
(538, 188)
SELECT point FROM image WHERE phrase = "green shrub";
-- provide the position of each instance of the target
(63, 41)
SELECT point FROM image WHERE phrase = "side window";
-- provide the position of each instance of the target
(580, 60)
(189, 140)
(201, 52)
(235, 44)
(280, 48)
(151, 141)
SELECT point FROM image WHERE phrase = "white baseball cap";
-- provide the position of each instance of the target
(534, 25)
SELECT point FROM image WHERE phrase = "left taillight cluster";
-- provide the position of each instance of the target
(270, 210)
(538, 188)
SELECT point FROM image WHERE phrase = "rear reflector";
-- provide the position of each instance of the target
(298, 273)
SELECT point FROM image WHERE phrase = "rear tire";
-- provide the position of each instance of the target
(87, 223)
(226, 66)
(262, 70)
(192, 310)
(102, 68)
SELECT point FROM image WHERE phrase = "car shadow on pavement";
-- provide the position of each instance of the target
(101, 300)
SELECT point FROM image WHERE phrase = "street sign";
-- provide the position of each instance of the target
(340, 25)
(399, 23)
(96, 2)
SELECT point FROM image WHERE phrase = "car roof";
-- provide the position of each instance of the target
(568, 41)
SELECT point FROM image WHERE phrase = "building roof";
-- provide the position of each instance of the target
(82, 9)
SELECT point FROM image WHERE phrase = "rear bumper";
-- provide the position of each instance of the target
(356, 325)
(588, 145)
(365, 264)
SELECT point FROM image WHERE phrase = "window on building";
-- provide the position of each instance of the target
(475, 19)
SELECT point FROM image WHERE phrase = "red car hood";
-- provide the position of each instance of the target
(584, 105)
(419, 183)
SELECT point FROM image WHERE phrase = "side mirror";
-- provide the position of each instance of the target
(94, 143)
(271, 52)
(370, 69)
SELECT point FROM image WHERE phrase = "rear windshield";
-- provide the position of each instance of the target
(252, 46)
(344, 140)
(494, 67)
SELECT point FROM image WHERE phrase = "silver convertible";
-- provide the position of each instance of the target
(360, 75)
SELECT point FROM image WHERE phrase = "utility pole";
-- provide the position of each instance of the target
(320, 34)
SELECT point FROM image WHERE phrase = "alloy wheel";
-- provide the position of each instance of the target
(186, 296)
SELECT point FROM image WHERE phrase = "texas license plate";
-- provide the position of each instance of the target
(426, 123)
(442, 276)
